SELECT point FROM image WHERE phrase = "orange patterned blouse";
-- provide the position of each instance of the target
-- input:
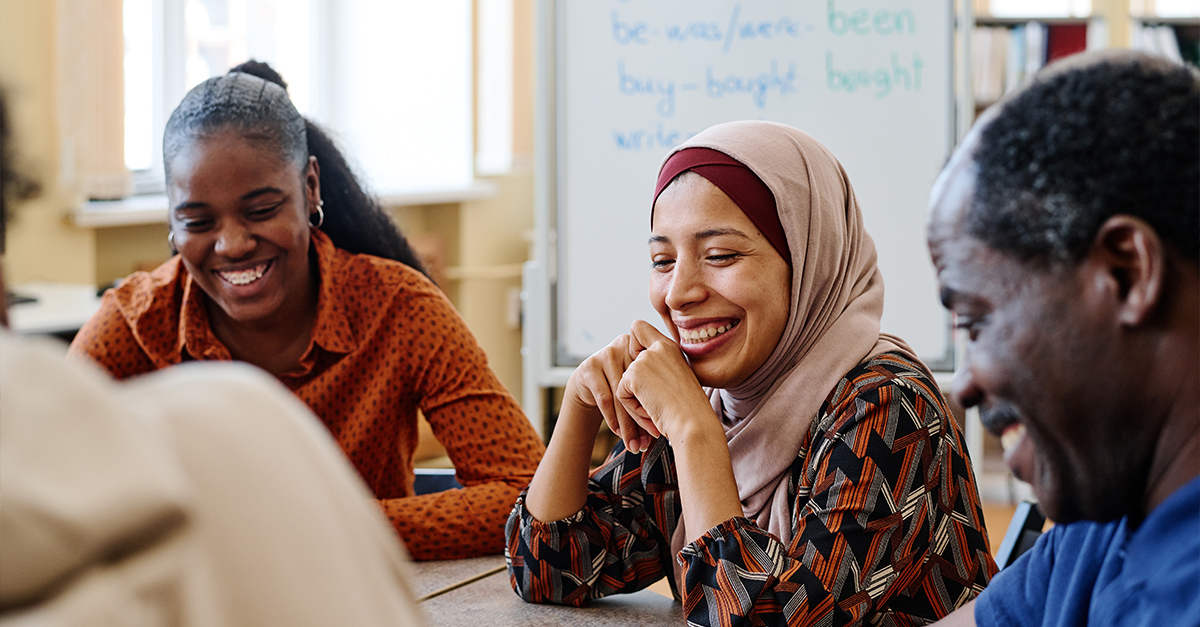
(386, 343)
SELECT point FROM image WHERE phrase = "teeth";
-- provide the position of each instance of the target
(1011, 436)
(245, 277)
(700, 335)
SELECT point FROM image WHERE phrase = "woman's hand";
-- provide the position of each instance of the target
(559, 488)
(659, 390)
(593, 387)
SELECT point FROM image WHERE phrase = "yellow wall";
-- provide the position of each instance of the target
(493, 244)
(121, 250)
(42, 245)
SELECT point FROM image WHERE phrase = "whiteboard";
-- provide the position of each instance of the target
(871, 79)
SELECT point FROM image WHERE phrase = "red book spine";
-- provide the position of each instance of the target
(1064, 40)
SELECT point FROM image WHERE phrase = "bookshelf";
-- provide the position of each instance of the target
(1007, 48)
(1006, 51)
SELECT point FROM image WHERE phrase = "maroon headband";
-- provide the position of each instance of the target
(738, 182)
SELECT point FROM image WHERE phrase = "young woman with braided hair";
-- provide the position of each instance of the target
(286, 263)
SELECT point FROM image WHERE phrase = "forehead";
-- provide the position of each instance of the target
(951, 195)
(965, 264)
(693, 203)
(227, 154)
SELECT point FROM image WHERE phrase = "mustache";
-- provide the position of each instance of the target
(996, 417)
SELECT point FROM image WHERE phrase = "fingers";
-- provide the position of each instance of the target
(597, 379)
(627, 396)
(645, 335)
(609, 374)
(602, 381)
(615, 413)
(633, 346)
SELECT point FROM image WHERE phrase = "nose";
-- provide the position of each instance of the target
(234, 240)
(686, 287)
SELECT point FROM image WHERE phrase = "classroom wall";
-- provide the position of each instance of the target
(42, 245)
(121, 250)
(494, 234)
(493, 244)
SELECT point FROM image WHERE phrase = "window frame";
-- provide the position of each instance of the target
(169, 84)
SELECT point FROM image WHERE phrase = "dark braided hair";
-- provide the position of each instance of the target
(253, 100)
(1121, 136)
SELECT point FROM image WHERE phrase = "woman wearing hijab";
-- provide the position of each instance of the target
(783, 462)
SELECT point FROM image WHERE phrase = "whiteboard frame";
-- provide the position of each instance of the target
(542, 363)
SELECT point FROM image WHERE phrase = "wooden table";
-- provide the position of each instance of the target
(436, 578)
(476, 591)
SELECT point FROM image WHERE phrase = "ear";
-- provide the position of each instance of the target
(312, 181)
(1134, 262)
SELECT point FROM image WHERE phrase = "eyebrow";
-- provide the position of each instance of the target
(702, 235)
(247, 196)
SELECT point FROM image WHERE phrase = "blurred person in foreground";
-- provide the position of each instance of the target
(1064, 232)
(203, 495)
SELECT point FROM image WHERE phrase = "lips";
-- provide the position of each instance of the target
(1002, 420)
(244, 276)
(1019, 453)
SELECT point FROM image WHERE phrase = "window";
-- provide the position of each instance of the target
(1041, 8)
(495, 130)
(391, 80)
(1171, 8)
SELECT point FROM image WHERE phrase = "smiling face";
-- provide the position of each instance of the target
(720, 287)
(1045, 364)
(239, 214)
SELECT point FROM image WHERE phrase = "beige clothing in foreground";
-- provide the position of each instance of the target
(200, 495)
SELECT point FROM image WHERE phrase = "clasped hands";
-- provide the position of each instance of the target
(644, 388)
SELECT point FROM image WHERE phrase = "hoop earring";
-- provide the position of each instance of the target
(171, 240)
(320, 213)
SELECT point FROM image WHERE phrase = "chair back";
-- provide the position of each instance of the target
(1023, 532)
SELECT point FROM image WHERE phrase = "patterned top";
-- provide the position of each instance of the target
(386, 343)
(887, 524)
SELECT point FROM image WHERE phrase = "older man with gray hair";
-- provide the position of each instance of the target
(1064, 232)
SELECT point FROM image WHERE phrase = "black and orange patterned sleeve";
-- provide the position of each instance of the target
(888, 524)
(619, 542)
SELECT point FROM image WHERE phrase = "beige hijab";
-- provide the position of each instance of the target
(833, 325)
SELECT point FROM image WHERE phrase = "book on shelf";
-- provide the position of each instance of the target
(1064, 40)
(1004, 57)
(1157, 39)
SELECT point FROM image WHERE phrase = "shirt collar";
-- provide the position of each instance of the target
(332, 331)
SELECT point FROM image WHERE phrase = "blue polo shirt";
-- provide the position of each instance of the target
(1102, 574)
